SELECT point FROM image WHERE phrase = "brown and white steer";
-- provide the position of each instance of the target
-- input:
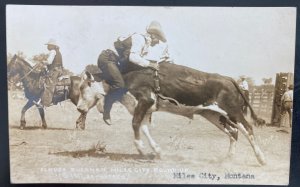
(215, 97)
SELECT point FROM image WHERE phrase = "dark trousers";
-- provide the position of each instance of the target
(245, 106)
(287, 107)
(50, 83)
(107, 62)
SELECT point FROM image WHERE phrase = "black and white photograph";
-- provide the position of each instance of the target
(150, 94)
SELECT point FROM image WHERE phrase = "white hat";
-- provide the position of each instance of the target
(51, 42)
(155, 28)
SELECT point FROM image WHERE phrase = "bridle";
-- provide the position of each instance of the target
(26, 74)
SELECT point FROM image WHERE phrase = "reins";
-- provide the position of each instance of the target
(24, 76)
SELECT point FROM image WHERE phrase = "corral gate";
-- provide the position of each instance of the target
(283, 80)
(261, 100)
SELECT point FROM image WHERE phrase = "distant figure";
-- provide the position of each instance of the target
(55, 68)
(287, 105)
(244, 86)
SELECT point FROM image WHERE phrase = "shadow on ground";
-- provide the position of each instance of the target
(37, 128)
(98, 154)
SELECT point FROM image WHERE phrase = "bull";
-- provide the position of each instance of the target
(215, 97)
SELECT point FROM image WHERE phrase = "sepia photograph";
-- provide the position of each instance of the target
(150, 94)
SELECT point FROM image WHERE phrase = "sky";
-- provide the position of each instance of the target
(257, 42)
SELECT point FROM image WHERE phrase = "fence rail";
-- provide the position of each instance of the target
(261, 101)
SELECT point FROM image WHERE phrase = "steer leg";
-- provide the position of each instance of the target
(145, 123)
(80, 122)
(144, 103)
(259, 154)
(247, 131)
(25, 108)
(42, 114)
(221, 123)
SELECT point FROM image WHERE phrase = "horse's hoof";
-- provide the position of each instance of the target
(22, 127)
(44, 126)
(22, 123)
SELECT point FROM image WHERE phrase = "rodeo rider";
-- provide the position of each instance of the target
(131, 54)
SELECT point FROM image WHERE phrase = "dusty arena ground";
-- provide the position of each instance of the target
(192, 152)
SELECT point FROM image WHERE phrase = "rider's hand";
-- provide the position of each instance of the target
(153, 65)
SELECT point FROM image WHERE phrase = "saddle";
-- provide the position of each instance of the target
(59, 87)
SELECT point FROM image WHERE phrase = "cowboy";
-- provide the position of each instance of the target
(55, 68)
(245, 88)
(287, 104)
(130, 54)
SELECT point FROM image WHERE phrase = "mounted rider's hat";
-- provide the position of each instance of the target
(243, 77)
(155, 28)
(51, 42)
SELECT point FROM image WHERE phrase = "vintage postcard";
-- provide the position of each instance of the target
(150, 95)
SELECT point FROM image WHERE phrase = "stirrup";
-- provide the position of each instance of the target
(39, 105)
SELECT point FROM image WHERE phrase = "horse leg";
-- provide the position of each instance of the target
(25, 108)
(142, 107)
(42, 114)
(80, 122)
(146, 121)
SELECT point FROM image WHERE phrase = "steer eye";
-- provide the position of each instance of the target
(81, 88)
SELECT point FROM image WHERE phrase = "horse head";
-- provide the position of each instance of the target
(18, 67)
(13, 68)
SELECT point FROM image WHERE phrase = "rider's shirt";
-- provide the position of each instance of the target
(287, 96)
(244, 85)
(55, 59)
(139, 48)
(51, 56)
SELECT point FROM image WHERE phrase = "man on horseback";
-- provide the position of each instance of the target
(131, 54)
(54, 70)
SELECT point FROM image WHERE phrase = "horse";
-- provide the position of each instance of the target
(20, 69)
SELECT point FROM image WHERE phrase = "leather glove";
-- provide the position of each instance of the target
(153, 65)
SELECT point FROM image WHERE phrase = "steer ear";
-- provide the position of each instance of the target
(89, 78)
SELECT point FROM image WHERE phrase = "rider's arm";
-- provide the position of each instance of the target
(166, 55)
(138, 43)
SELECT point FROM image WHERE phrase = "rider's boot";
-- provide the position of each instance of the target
(110, 98)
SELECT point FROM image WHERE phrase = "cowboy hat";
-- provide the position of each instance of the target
(155, 28)
(51, 42)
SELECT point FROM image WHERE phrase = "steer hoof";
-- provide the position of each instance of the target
(81, 127)
(141, 152)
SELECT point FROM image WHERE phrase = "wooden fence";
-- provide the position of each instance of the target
(261, 99)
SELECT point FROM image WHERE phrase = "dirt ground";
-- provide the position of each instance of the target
(193, 152)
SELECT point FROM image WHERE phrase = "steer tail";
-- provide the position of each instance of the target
(253, 115)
